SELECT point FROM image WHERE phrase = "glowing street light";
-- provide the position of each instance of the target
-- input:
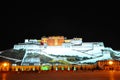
(110, 62)
(5, 64)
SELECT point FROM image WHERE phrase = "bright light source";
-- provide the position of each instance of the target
(110, 62)
(5, 64)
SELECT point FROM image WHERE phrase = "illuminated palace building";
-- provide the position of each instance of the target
(56, 48)
(58, 51)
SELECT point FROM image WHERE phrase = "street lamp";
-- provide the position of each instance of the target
(110, 62)
(5, 64)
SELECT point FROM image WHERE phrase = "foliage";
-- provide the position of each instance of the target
(30, 55)
(44, 59)
(17, 54)
(59, 61)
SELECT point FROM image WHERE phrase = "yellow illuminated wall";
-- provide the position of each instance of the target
(55, 40)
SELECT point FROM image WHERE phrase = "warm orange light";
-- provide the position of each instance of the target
(110, 62)
(5, 64)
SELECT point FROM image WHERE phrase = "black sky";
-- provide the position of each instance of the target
(92, 24)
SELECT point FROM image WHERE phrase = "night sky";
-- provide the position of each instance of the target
(91, 24)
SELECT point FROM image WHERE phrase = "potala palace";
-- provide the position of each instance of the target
(60, 50)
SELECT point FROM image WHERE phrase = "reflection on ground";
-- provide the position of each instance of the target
(59, 75)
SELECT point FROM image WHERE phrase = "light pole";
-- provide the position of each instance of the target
(111, 63)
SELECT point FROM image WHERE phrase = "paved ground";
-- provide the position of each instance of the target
(89, 75)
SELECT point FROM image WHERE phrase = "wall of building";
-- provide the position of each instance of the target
(109, 64)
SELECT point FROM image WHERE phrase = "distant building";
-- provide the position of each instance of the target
(73, 51)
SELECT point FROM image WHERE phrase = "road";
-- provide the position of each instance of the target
(86, 75)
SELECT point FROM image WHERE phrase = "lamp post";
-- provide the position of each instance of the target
(111, 63)
(5, 66)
